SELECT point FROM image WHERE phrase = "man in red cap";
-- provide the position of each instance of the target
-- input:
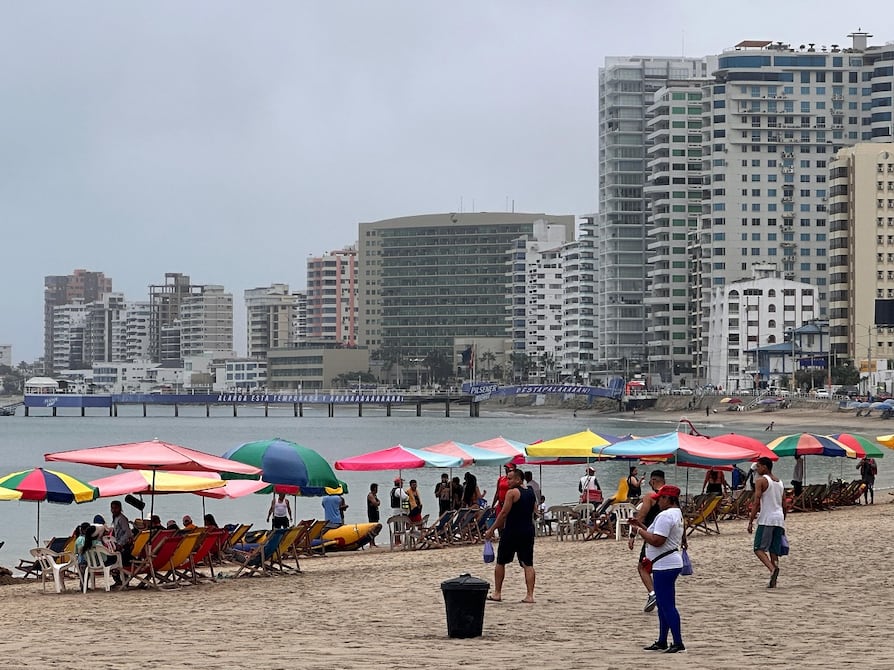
(589, 488)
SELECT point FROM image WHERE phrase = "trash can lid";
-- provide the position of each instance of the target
(465, 582)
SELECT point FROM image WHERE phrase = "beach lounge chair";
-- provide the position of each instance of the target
(436, 535)
(703, 515)
(154, 558)
(256, 560)
(179, 566)
(313, 543)
(53, 564)
(237, 534)
(98, 561)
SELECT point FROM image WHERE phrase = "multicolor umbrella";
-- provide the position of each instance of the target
(150, 481)
(733, 401)
(470, 455)
(510, 447)
(862, 445)
(810, 444)
(886, 440)
(398, 457)
(42, 485)
(684, 449)
(290, 467)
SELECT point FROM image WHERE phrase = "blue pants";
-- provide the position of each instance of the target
(665, 592)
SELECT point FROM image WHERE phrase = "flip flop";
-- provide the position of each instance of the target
(494, 600)
(773, 578)
(528, 602)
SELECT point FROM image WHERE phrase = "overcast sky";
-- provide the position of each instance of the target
(230, 140)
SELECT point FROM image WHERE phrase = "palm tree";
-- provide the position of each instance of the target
(521, 363)
(547, 364)
(487, 359)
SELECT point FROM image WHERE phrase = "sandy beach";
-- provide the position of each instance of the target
(382, 609)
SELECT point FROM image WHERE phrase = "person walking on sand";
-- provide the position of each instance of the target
(770, 427)
(664, 539)
(868, 470)
(516, 524)
(646, 514)
(770, 513)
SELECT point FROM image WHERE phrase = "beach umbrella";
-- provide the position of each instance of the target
(150, 481)
(732, 401)
(51, 486)
(577, 447)
(739, 440)
(234, 488)
(886, 440)
(862, 445)
(510, 447)
(289, 467)
(768, 401)
(153, 455)
(398, 458)
(470, 455)
(809, 444)
(682, 448)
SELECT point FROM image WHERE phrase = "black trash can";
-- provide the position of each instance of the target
(464, 598)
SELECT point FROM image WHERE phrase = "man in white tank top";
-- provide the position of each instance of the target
(770, 512)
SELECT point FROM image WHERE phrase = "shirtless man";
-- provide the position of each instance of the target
(770, 513)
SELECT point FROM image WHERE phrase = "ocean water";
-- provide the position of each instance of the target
(25, 440)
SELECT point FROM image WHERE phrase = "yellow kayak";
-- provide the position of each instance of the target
(351, 536)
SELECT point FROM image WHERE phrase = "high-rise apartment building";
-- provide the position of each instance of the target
(674, 190)
(861, 252)
(68, 336)
(82, 285)
(627, 88)
(772, 117)
(270, 318)
(206, 322)
(332, 297)
(105, 330)
(578, 315)
(426, 280)
(137, 320)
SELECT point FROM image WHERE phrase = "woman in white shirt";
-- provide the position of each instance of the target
(664, 539)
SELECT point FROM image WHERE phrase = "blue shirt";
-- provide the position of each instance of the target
(331, 506)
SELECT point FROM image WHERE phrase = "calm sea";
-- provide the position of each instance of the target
(24, 441)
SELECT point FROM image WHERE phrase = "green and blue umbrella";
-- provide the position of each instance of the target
(287, 466)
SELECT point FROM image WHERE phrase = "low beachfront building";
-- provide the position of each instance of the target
(747, 316)
(312, 368)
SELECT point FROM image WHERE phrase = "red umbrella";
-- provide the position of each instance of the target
(747, 442)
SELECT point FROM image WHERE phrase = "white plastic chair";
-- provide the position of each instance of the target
(400, 532)
(623, 513)
(55, 564)
(96, 563)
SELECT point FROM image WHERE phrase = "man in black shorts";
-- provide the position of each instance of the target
(516, 526)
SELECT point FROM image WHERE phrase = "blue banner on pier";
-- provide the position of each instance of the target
(486, 390)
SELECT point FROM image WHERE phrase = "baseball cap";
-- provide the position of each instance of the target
(669, 490)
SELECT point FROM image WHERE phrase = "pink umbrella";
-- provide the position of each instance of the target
(146, 481)
(234, 488)
(152, 455)
(747, 442)
(398, 457)
(470, 454)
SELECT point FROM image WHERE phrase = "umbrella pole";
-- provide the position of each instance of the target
(152, 495)
(37, 537)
